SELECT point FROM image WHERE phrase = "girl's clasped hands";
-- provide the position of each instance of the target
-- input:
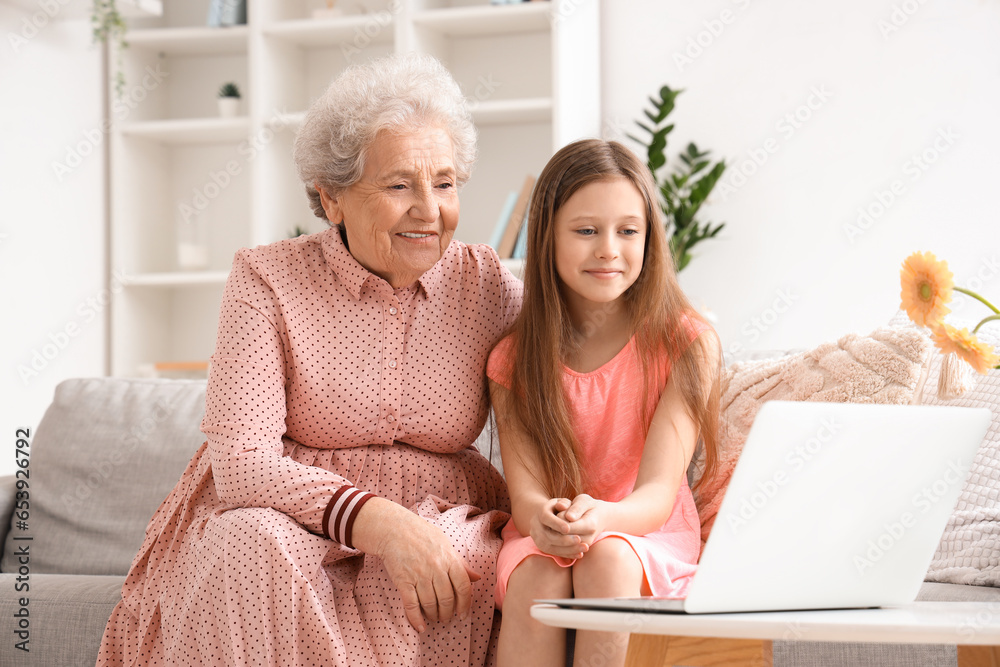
(566, 528)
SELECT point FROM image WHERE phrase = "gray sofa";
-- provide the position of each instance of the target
(106, 453)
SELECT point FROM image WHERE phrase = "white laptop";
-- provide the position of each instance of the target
(831, 505)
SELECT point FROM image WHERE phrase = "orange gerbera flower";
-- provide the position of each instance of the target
(927, 285)
(979, 355)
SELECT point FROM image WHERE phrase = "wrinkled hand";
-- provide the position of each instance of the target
(434, 582)
(551, 531)
(584, 518)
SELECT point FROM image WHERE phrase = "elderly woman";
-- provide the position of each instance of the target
(339, 513)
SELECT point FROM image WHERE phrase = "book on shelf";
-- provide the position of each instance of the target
(516, 220)
(501, 225)
(521, 245)
(223, 13)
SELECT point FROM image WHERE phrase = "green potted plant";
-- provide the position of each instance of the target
(229, 100)
(109, 27)
(685, 187)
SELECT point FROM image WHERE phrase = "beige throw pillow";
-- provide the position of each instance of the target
(885, 367)
(969, 551)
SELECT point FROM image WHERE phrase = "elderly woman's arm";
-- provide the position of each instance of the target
(245, 408)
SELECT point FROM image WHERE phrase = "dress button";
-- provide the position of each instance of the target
(393, 311)
(392, 364)
(390, 419)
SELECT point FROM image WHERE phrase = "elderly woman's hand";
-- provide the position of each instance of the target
(434, 582)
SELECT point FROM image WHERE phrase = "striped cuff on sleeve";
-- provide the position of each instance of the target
(338, 520)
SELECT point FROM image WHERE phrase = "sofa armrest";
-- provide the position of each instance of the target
(8, 490)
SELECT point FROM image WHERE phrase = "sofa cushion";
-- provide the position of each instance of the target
(884, 367)
(104, 456)
(67, 615)
(968, 552)
(931, 591)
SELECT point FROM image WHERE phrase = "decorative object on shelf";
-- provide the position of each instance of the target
(508, 240)
(229, 100)
(224, 13)
(192, 243)
(327, 12)
(684, 189)
(927, 285)
(108, 23)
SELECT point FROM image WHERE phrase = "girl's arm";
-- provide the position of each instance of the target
(534, 512)
(669, 446)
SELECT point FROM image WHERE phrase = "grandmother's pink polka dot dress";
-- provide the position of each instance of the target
(325, 378)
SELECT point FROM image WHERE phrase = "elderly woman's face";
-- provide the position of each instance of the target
(400, 216)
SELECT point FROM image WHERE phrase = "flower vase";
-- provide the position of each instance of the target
(192, 244)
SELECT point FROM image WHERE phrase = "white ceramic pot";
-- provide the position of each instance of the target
(229, 107)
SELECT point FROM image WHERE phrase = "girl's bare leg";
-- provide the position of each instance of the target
(524, 642)
(609, 569)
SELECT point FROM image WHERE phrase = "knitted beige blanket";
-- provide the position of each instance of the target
(886, 367)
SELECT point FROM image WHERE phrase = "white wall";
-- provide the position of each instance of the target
(881, 96)
(51, 228)
(886, 98)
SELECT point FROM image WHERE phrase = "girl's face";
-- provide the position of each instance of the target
(600, 234)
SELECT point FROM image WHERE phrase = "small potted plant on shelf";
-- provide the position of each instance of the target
(229, 100)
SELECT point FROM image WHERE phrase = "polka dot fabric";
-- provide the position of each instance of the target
(324, 375)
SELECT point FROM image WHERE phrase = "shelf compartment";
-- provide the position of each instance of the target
(291, 120)
(176, 279)
(489, 112)
(487, 19)
(324, 32)
(190, 130)
(191, 41)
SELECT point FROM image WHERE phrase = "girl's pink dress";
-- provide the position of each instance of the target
(604, 406)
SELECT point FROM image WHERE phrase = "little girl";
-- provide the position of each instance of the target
(601, 392)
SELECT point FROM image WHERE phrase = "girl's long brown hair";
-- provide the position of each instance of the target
(543, 334)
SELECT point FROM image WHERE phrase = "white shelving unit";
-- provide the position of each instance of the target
(530, 70)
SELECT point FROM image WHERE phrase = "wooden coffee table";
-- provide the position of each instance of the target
(745, 639)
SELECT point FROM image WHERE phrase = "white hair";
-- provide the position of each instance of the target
(396, 94)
